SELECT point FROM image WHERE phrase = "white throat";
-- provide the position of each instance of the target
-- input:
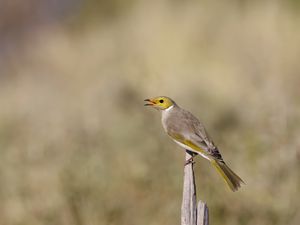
(165, 113)
(168, 109)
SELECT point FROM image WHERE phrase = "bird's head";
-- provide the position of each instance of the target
(160, 102)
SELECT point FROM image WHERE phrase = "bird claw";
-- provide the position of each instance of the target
(189, 161)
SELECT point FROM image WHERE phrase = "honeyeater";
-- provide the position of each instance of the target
(188, 132)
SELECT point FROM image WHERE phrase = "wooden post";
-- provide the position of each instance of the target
(189, 202)
(190, 214)
(202, 214)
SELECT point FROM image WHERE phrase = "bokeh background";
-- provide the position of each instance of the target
(78, 147)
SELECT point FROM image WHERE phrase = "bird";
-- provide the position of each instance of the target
(188, 132)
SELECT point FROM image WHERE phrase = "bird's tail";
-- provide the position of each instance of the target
(234, 181)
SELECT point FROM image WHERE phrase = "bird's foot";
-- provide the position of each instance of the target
(190, 160)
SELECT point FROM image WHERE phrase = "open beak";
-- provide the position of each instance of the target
(150, 103)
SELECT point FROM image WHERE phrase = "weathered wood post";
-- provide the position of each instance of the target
(202, 211)
(191, 214)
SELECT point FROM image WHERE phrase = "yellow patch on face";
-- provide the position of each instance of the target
(160, 102)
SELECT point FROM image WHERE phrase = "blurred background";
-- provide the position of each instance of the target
(77, 146)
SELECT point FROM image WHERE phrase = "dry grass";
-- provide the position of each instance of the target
(77, 146)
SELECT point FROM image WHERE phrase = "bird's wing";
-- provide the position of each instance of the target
(211, 150)
(189, 144)
(200, 137)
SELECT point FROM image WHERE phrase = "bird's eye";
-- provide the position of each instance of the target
(161, 101)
